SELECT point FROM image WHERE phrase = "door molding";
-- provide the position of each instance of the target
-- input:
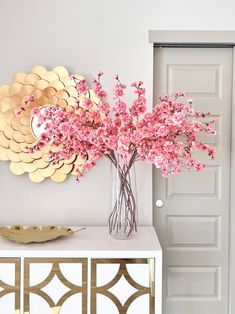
(194, 37)
(218, 39)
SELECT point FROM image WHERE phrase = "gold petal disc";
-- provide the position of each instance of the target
(36, 155)
(26, 90)
(29, 167)
(23, 147)
(41, 164)
(14, 146)
(47, 172)
(53, 100)
(2, 123)
(70, 160)
(25, 157)
(36, 176)
(18, 137)
(66, 169)
(61, 71)
(29, 139)
(39, 70)
(57, 165)
(16, 168)
(62, 94)
(16, 125)
(8, 131)
(62, 103)
(9, 116)
(58, 177)
(13, 156)
(19, 77)
(71, 102)
(71, 90)
(4, 141)
(15, 89)
(25, 120)
(42, 101)
(50, 76)
(41, 84)
(4, 153)
(31, 79)
(25, 130)
(49, 91)
(37, 94)
(4, 91)
(58, 85)
(5, 104)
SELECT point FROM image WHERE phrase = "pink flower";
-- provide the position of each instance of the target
(104, 107)
(118, 90)
(120, 107)
(82, 87)
(140, 91)
(166, 137)
(35, 111)
(87, 103)
(138, 107)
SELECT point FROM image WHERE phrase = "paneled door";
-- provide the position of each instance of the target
(192, 213)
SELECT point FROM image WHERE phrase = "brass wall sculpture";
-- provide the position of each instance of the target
(48, 87)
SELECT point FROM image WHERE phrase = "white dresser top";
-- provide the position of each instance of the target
(91, 242)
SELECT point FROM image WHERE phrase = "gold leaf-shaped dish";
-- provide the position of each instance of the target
(34, 234)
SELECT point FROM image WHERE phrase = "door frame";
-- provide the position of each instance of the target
(210, 39)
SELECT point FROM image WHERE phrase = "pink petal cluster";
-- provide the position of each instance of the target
(81, 86)
(25, 104)
(167, 137)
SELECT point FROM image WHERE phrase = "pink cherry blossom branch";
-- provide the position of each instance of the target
(167, 137)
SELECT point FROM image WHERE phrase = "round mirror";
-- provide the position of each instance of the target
(36, 129)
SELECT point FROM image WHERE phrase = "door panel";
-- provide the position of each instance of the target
(193, 224)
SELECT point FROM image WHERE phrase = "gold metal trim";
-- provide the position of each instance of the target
(12, 289)
(48, 87)
(55, 307)
(123, 309)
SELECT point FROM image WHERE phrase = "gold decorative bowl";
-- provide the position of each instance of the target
(34, 234)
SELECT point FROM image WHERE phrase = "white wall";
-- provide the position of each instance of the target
(87, 36)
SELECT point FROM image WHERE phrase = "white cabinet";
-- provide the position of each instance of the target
(88, 273)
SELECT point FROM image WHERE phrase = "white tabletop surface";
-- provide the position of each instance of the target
(90, 240)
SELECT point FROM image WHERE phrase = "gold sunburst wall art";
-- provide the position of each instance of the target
(47, 88)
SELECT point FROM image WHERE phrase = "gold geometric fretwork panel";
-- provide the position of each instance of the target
(55, 285)
(9, 285)
(122, 286)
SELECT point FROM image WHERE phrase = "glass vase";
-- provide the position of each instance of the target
(123, 216)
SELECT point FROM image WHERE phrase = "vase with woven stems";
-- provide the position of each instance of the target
(123, 215)
(92, 128)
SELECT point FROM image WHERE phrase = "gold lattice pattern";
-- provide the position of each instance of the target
(48, 87)
(122, 272)
(6, 288)
(55, 271)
